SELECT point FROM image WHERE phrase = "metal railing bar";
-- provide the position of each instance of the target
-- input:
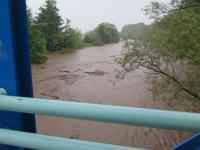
(172, 120)
(43, 142)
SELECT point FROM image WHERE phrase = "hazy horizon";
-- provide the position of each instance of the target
(87, 14)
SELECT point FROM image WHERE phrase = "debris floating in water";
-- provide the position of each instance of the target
(97, 73)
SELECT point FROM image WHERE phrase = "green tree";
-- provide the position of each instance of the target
(171, 49)
(134, 31)
(72, 39)
(37, 41)
(105, 33)
(108, 33)
(89, 37)
(51, 23)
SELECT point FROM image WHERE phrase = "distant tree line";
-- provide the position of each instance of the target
(49, 32)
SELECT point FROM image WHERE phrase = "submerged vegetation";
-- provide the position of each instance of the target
(49, 32)
(170, 49)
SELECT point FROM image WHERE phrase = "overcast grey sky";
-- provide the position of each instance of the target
(87, 14)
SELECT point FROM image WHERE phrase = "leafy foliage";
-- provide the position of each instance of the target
(105, 33)
(89, 37)
(48, 31)
(37, 41)
(134, 31)
(73, 39)
(51, 23)
(171, 49)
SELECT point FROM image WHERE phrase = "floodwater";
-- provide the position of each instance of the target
(87, 75)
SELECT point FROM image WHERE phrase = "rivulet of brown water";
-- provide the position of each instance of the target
(86, 76)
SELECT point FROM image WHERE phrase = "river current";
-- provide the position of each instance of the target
(88, 75)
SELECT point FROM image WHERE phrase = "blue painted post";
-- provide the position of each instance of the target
(15, 74)
(192, 143)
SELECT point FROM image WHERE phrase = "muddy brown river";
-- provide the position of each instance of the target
(87, 75)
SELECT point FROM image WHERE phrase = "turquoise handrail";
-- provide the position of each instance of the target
(43, 142)
(172, 120)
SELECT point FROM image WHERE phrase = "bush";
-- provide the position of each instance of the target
(72, 39)
(37, 41)
(37, 46)
(105, 33)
